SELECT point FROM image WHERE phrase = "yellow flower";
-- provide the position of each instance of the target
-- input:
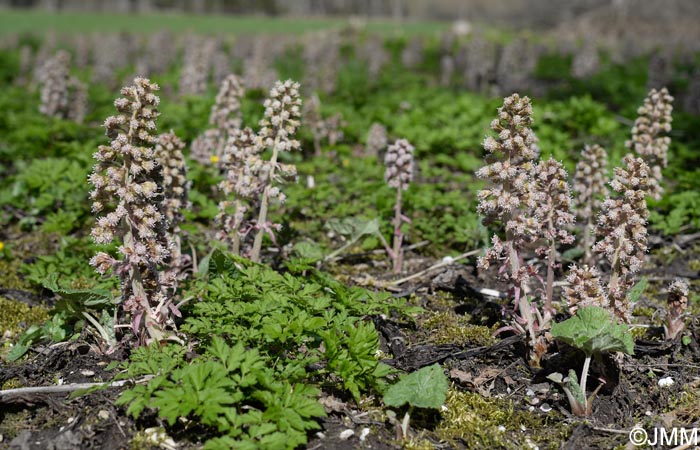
(345, 162)
(2, 245)
(214, 159)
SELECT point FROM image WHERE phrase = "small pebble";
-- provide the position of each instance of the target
(102, 414)
(666, 382)
(501, 428)
(70, 419)
(87, 373)
(545, 407)
(320, 435)
(534, 401)
(364, 433)
(529, 393)
(345, 435)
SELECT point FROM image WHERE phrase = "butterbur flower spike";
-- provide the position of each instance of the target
(62, 96)
(277, 129)
(243, 186)
(677, 304)
(128, 194)
(175, 198)
(649, 136)
(225, 118)
(590, 186)
(398, 175)
(226, 112)
(585, 289)
(510, 158)
(622, 231)
(550, 219)
(377, 140)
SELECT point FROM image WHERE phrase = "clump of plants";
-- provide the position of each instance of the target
(264, 343)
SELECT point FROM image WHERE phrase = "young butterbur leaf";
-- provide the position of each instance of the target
(594, 330)
(637, 290)
(424, 388)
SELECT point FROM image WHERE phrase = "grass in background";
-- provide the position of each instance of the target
(16, 21)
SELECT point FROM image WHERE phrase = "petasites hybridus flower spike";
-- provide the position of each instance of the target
(377, 140)
(277, 129)
(509, 172)
(128, 199)
(677, 304)
(398, 175)
(225, 118)
(175, 185)
(649, 136)
(245, 171)
(551, 195)
(54, 77)
(585, 289)
(175, 189)
(226, 112)
(399, 164)
(510, 160)
(590, 186)
(622, 231)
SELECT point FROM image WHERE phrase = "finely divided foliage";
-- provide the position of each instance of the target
(127, 178)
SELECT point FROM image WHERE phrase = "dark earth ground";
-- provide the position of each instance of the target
(496, 372)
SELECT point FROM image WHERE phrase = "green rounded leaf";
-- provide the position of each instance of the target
(424, 388)
(594, 330)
